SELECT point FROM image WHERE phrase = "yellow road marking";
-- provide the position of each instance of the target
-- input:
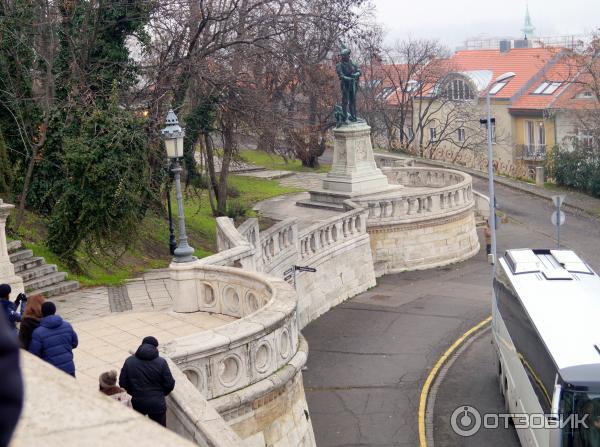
(433, 374)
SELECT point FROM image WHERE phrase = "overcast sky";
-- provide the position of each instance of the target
(453, 21)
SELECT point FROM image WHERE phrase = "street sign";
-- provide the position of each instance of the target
(558, 200)
(558, 218)
(304, 269)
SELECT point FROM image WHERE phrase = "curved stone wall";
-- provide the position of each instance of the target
(430, 224)
(247, 363)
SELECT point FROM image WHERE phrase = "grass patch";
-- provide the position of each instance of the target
(151, 249)
(276, 162)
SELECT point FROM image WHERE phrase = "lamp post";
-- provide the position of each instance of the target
(492, 218)
(173, 136)
(172, 240)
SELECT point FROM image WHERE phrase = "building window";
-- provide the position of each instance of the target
(459, 90)
(493, 132)
(541, 138)
(409, 132)
(584, 95)
(461, 135)
(432, 134)
(547, 88)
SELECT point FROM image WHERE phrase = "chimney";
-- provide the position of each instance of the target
(504, 46)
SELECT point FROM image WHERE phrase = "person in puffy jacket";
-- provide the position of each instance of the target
(11, 391)
(147, 377)
(13, 316)
(54, 340)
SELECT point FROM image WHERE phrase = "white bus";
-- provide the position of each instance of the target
(546, 332)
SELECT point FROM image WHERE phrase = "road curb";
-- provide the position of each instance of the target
(425, 414)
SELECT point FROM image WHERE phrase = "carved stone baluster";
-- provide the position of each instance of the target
(371, 210)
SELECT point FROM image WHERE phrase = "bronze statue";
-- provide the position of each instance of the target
(348, 72)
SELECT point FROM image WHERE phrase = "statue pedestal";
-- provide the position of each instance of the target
(7, 270)
(354, 172)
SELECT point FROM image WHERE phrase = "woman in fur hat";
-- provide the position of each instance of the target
(108, 386)
(31, 320)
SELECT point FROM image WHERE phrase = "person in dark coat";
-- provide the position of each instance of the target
(147, 377)
(54, 340)
(10, 309)
(11, 391)
(31, 320)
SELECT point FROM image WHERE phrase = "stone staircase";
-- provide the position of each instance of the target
(38, 277)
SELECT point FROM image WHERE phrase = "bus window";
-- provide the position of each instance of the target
(584, 430)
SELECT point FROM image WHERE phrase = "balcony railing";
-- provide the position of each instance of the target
(531, 152)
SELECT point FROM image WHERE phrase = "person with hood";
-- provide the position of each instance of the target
(10, 309)
(11, 391)
(31, 320)
(108, 386)
(54, 340)
(147, 377)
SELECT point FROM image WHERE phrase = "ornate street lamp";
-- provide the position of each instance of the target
(173, 136)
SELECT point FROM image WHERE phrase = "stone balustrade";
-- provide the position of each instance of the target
(238, 354)
(392, 161)
(191, 416)
(322, 236)
(279, 244)
(438, 192)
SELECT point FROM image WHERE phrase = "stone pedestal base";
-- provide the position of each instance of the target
(354, 172)
(7, 270)
(354, 169)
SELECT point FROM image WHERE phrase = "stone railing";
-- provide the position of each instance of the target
(279, 244)
(392, 161)
(425, 177)
(482, 206)
(441, 192)
(233, 356)
(249, 231)
(191, 416)
(235, 250)
(325, 235)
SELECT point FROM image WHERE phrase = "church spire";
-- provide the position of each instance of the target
(528, 27)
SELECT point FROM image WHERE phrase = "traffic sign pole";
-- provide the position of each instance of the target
(558, 217)
(558, 228)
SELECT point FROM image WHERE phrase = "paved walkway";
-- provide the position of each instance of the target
(112, 321)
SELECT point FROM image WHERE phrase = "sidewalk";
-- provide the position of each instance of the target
(111, 321)
(575, 200)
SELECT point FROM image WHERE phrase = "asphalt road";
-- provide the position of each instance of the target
(370, 355)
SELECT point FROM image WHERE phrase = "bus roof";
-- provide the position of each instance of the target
(561, 295)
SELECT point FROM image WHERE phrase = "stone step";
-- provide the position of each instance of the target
(20, 255)
(59, 288)
(14, 246)
(26, 264)
(37, 272)
(44, 281)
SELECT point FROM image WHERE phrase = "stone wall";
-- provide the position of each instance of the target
(423, 245)
(430, 224)
(339, 249)
(272, 412)
(60, 412)
(249, 369)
